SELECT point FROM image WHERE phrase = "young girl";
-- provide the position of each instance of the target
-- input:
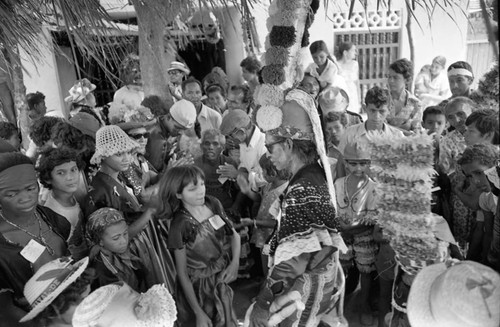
(108, 189)
(206, 249)
(111, 255)
(324, 68)
(265, 222)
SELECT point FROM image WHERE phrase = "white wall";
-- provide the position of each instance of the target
(43, 75)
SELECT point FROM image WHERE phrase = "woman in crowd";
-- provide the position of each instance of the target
(30, 235)
(307, 216)
(405, 110)
(349, 69)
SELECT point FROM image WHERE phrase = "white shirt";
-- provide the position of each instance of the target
(249, 158)
(329, 76)
(359, 132)
(209, 118)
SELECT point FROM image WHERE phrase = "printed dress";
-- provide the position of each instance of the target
(411, 112)
(303, 250)
(105, 191)
(208, 254)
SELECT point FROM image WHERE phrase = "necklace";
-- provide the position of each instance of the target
(40, 237)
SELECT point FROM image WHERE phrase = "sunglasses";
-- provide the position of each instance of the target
(138, 136)
(362, 163)
(269, 146)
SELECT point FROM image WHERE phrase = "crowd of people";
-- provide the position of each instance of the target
(137, 213)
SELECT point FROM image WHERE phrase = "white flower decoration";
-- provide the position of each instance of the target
(269, 95)
(269, 117)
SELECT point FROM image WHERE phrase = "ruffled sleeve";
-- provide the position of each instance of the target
(182, 231)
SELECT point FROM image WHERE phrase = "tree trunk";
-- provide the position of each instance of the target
(19, 92)
(155, 54)
(411, 43)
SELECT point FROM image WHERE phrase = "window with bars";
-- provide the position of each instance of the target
(377, 36)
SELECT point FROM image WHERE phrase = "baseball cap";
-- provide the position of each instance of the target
(184, 113)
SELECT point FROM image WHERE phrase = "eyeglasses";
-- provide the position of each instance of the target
(269, 146)
(362, 163)
(138, 136)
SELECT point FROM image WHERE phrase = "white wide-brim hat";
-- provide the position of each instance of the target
(465, 294)
(49, 282)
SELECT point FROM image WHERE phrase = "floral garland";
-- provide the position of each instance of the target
(403, 168)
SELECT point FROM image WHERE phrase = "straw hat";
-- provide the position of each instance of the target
(50, 281)
(357, 150)
(111, 140)
(85, 123)
(333, 99)
(465, 294)
(80, 90)
(154, 308)
(128, 118)
(177, 65)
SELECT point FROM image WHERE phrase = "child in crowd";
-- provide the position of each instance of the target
(240, 97)
(217, 98)
(206, 249)
(482, 127)
(434, 121)
(108, 190)
(10, 133)
(324, 68)
(59, 171)
(475, 160)
(55, 291)
(111, 254)
(266, 219)
(356, 205)
(311, 85)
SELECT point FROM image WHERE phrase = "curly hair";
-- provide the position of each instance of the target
(32, 99)
(333, 116)
(7, 130)
(486, 121)
(377, 96)
(67, 136)
(484, 154)
(52, 158)
(403, 67)
(11, 159)
(305, 150)
(251, 64)
(42, 129)
(72, 295)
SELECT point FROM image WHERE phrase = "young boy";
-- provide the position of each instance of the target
(434, 120)
(10, 133)
(481, 127)
(356, 207)
(59, 171)
(376, 107)
(475, 160)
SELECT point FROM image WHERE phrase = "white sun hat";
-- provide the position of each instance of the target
(111, 140)
(465, 294)
(155, 308)
(50, 281)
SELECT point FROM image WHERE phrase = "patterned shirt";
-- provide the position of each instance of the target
(450, 147)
